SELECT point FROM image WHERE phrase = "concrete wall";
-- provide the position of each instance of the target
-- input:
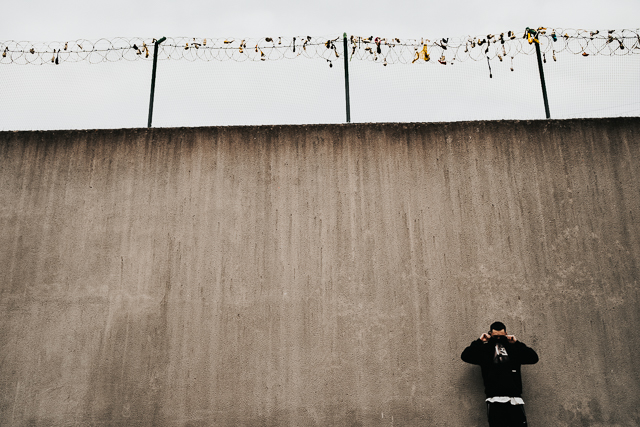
(317, 275)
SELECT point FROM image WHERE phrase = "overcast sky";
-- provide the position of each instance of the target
(46, 20)
(200, 93)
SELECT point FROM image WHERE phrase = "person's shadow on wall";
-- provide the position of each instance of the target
(470, 390)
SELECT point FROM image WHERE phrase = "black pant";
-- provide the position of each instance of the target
(506, 415)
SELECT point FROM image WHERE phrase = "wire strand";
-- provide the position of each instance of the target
(383, 50)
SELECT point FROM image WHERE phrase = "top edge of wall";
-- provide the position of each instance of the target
(404, 125)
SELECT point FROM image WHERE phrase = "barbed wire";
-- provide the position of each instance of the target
(386, 51)
(501, 46)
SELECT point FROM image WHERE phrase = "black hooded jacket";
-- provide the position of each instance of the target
(500, 378)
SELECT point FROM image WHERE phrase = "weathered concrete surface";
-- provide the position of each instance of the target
(317, 275)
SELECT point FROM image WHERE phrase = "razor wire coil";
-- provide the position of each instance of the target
(383, 50)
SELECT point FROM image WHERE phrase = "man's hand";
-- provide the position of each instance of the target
(485, 337)
(511, 338)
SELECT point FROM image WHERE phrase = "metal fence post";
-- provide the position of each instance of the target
(345, 53)
(536, 41)
(153, 79)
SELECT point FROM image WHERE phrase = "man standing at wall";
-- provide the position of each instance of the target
(500, 356)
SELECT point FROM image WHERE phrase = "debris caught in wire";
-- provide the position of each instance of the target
(384, 50)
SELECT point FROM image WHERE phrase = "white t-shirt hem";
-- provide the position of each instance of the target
(506, 399)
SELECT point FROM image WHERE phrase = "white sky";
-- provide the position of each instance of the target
(108, 95)
(46, 20)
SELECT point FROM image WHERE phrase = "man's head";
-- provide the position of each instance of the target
(497, 329)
